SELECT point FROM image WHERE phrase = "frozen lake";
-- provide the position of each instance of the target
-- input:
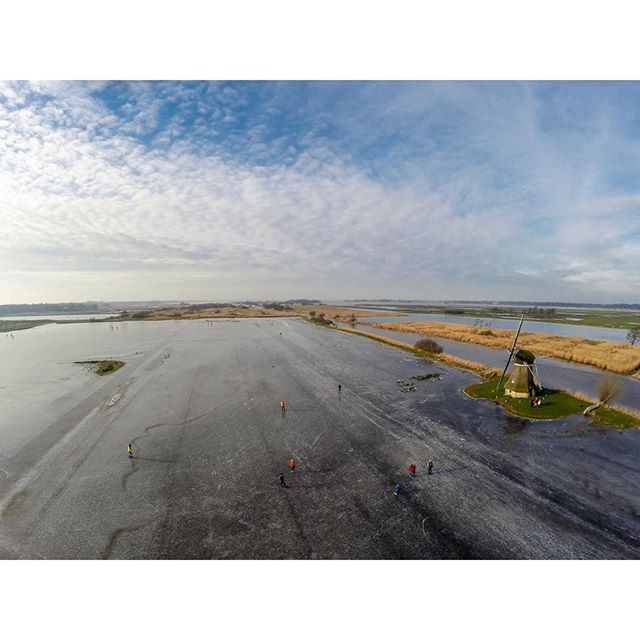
(40, 379)
(199, 403)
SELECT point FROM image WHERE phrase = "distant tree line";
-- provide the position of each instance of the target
(549, 303)
(530, 312)
(205, 305)
(277, 306)
(539, 312)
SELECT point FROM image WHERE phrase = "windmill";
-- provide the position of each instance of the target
(524, 380)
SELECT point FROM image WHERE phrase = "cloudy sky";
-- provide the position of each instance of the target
(236, 190)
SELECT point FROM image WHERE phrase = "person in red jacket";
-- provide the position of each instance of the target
(292, 465)
(412, 470)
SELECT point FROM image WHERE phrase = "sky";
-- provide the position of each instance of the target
(217, 191)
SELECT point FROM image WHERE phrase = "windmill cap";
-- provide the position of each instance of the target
(524, 356)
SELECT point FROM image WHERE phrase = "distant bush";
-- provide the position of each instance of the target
(141, 314)
(428, 346)
(320, 319)
(609, 388)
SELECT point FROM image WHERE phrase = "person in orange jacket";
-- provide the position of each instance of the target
(282, 407)
(292, 465)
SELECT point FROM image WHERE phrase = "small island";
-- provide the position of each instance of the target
(102, 367)
(552, 404)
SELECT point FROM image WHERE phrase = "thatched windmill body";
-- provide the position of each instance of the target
(523, 381)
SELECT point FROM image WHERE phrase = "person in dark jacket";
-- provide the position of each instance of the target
(429, 467)
(397, 489)
(282, 482)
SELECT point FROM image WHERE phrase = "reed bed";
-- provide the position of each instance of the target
(610, 356)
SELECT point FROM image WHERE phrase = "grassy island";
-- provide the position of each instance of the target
(554, 404)
(102, 367)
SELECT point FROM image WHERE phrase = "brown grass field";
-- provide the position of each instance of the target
(330, 311)
(610, 356)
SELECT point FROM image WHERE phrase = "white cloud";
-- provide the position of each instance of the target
(488, 215)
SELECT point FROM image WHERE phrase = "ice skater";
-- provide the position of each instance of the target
(282, 482)
(397, 489)
(339, 388)
(283, 408)
(412, 470)
(130, 451)
(292, 465)
(429, 467)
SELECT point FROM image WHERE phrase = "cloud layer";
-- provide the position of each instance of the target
(242, 190)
